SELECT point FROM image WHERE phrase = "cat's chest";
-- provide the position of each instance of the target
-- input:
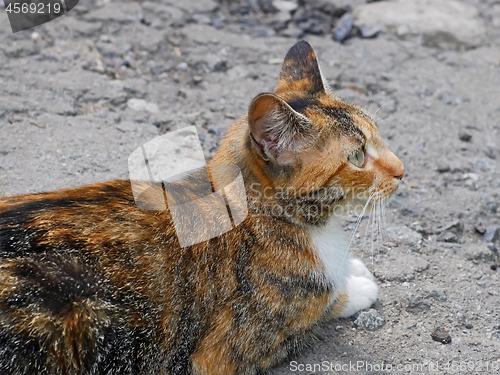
(330, 244)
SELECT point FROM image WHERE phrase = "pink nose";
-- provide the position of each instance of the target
(398, 170)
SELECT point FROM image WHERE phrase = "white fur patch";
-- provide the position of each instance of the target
(331, 247)
(347, 274)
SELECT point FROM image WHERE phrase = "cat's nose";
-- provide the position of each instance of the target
(398, 170)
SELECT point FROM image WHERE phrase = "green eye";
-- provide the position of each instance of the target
(358, 158)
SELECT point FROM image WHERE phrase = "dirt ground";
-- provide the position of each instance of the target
(80, 93)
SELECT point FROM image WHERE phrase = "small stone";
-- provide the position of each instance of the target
(448, 237)
(492, 233)
(285, 5)
(370, 320)
(105, 38)
(470, 176)
(145, 21)
(464, 137)
(441, 335)
(443, 168)
(142, 105)
(454, 226)
(318, 25)
(343, 28)
(216, 63)
(469, 326)
(480, 228)
(369, 31)
(494, 267)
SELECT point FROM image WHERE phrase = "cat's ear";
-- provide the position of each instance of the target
(277, 130)
(300, 71)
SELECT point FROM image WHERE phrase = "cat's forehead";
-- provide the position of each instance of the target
(334, 116)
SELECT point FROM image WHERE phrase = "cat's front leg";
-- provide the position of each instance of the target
(361, 291)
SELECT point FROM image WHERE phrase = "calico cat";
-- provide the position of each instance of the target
(92, 284)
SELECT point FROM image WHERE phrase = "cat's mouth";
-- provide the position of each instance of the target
(370, 199)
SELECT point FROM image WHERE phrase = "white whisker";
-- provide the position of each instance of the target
(358, 221)
(373, 216)
(356, 227)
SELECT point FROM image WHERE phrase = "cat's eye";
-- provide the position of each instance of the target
(358, 158)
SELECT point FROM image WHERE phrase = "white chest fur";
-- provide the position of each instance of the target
(331, 246)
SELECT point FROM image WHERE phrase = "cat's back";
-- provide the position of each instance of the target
(70, 280)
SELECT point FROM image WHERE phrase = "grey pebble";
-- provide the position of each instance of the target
(370, 320)
(480, 228)
(456, 226)
(216, 63)
(465, 137)
(441, 335)
(448, 237)
(450, 232)
(369, 31)
(344, 28)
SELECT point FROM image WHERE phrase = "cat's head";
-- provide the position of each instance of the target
(319, 149)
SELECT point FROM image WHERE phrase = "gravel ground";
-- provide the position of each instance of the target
(80, 93)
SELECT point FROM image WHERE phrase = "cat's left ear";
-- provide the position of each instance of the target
(300, 71)
(277, 131)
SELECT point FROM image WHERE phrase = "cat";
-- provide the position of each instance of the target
(92, 284)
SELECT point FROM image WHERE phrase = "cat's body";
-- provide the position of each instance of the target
(92, 284)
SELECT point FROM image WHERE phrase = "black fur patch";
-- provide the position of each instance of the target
(343, 118)
(53, 281)
(301, 104)
(304, 285)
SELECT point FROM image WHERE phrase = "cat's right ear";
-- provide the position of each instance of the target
(277, 131)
